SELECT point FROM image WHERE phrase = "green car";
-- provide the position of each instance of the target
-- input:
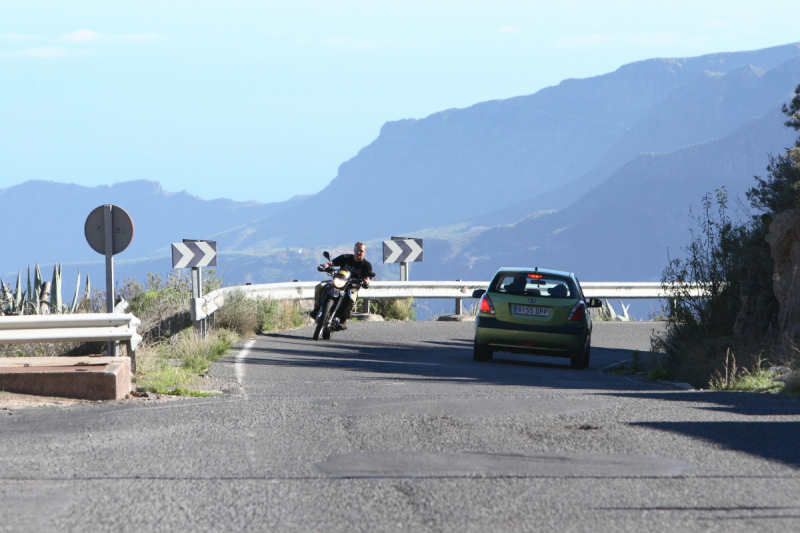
(534, 311)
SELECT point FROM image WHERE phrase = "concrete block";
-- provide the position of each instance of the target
(102, 378)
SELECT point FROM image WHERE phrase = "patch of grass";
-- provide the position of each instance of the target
(393, 308)
(238, 313)
(187, 392)
(157, 373)
(248, 316)
(277, 315)
(656, 374)
(733, 377)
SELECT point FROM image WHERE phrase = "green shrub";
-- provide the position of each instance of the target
(175, 364)
(391, 308)
(247, 316)
(238, 313)
(733, 260)
(276, 315)
(733, 377)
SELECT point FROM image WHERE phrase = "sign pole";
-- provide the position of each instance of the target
(404, 271)
(196, 293)
(108, 223)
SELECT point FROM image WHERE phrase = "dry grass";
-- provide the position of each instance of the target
(733, 377)
(394, 308)
(172, 366)
(248, 316)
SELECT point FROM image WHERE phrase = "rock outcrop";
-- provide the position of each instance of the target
(784, 239)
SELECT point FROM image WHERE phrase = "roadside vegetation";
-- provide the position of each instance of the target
(391, 308)
(172, 358)
(738, 320)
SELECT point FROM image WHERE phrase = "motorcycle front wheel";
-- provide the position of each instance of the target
(326, 312)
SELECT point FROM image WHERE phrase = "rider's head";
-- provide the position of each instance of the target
(359, 250)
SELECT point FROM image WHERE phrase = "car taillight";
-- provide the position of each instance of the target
(578, 312)
(486, 305)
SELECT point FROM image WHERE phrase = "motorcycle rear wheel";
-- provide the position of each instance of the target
(326, 311)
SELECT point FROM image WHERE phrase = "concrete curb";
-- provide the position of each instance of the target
(106, 380)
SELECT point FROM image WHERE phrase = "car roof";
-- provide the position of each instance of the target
(538, 270)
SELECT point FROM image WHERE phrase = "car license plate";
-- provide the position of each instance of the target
(532, 311)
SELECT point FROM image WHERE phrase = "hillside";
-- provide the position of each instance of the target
(624, 228)
(463, 163)
(48, 219)
(593, 175)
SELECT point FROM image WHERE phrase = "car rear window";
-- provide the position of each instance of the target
(540, 285)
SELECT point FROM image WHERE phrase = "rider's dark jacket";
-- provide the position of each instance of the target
(357, 269)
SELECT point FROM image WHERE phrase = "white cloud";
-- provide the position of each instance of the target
(91, 36)
(49, 52)
(80, 36)
(510, 29)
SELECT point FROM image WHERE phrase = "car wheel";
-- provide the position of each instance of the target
(580, 359)
(481, 353)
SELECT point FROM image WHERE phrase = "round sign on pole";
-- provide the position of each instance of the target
(122, 228)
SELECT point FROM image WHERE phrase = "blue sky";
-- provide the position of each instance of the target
(264, 100)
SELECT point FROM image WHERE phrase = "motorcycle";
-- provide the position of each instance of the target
(336, 291)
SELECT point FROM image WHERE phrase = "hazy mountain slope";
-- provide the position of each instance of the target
(709, 107)
(45, 219)
(622, 229)
(462, 162)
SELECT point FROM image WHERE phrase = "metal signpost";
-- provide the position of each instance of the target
(403, 250)
(195, 254)
(109, 230)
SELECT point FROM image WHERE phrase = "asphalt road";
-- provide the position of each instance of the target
(393, 427)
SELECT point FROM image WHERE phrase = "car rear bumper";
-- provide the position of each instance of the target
(559, 341)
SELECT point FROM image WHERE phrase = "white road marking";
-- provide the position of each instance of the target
(239, 365)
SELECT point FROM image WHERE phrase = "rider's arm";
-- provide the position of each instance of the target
(367, 279)
(337, 261)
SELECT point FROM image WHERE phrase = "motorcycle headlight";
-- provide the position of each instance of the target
(339, 283)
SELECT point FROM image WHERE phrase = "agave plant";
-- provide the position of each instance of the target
(33, 301)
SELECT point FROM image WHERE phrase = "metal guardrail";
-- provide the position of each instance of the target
(87, 327)
(202, 308)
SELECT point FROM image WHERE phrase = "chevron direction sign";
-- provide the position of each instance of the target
(193, 254)
(402, 251)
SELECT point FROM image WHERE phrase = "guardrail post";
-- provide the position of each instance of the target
(366, 305)
(459, 307)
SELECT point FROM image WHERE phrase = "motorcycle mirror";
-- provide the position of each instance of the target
(327, 255)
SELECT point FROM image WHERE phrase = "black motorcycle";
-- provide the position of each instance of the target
(336, 291)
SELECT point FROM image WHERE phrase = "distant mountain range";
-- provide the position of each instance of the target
(593, 175)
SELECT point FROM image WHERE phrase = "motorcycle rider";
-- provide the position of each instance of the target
(358, 266)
